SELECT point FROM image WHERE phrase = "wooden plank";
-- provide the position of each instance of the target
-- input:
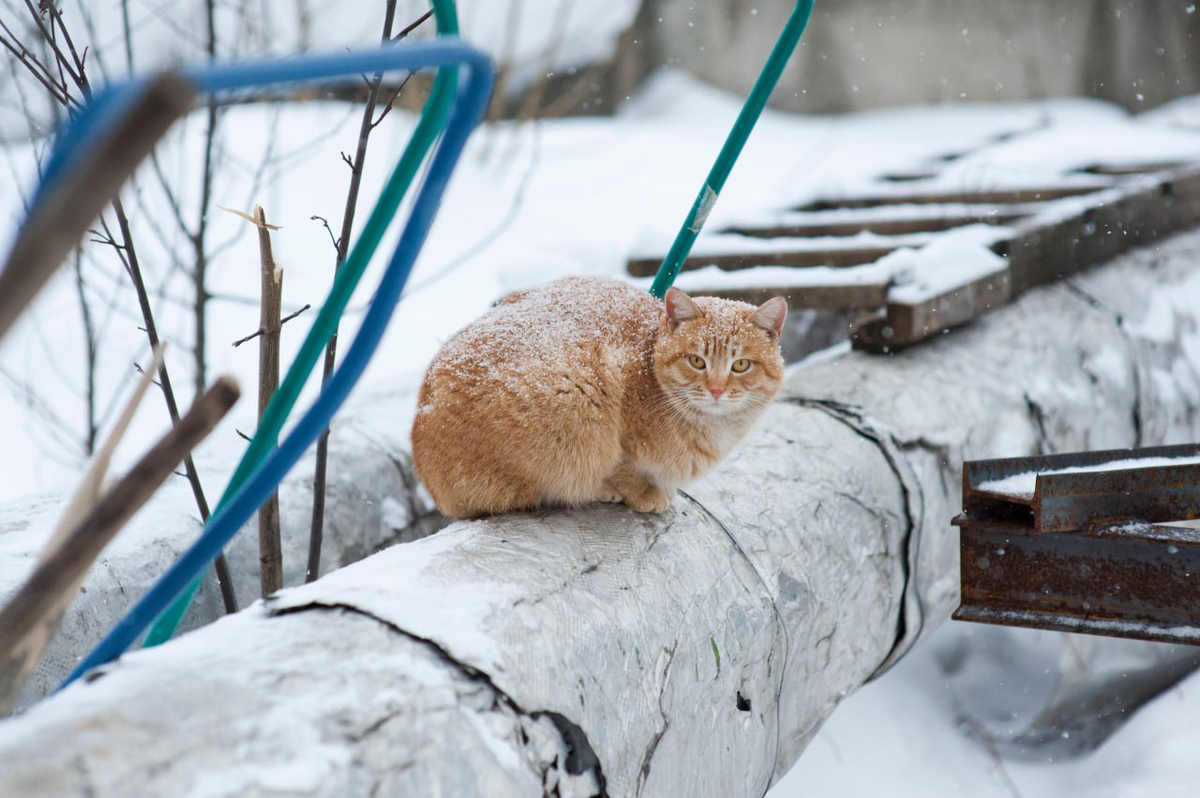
(997, 197)
(898, 225)
(825, 297)
(857, 256)
(905, 323)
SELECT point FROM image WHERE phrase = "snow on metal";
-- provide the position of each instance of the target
(694, 653)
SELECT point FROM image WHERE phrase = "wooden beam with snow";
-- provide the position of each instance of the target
(694, 653)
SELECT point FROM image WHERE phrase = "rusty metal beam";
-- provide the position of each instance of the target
(1048, 547)
(1136, 580)
(1066, 501)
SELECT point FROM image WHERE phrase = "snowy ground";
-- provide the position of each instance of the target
(920, 730)
(533, 202)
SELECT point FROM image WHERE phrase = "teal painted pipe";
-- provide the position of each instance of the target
(431, 124)
(732, 148)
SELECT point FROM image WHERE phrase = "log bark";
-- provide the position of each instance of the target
(600, 651)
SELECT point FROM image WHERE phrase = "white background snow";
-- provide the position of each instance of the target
(535, 201)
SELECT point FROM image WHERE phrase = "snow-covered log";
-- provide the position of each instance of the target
(693, 653)
(374, 500)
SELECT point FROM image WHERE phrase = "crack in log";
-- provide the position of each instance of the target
(580, 758)
(1038, 414)
(647, 758)
(907, 629)
(779, 623)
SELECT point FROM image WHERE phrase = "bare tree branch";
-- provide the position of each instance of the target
(317, 531)
(261, 331)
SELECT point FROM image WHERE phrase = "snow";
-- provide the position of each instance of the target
(714, 278)
(1023, 484)
(533, 202)
(916, 732)
(451, 612)
(954, 259)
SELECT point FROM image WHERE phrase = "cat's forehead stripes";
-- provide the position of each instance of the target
(725, 328)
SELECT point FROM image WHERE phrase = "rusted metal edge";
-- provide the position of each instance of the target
(1135, 580)
(1064, 502)
(1153, 506)
(1054, 622)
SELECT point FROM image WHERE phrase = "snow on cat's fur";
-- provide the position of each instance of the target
(587, 389)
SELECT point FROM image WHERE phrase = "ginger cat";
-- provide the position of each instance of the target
(588, 389)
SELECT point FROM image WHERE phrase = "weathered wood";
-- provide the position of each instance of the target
(905, 323)
(800, 257)
(899, 224)
(993, 197)
(819, 297)
(693, 653)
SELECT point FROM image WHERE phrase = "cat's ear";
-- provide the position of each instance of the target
(770, 316)
(680, 308)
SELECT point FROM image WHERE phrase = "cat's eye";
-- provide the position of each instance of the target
(740, 366)
(696, 362)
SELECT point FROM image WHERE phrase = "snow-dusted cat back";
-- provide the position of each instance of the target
(588, 389)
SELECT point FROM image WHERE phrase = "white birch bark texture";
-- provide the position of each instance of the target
(599, 651)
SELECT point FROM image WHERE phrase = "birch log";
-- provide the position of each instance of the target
(599, 651)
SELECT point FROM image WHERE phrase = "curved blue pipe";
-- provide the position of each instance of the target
(226, 521)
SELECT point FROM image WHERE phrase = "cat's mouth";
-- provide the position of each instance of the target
(716, 406)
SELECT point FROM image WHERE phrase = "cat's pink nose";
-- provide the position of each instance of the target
(716, 390)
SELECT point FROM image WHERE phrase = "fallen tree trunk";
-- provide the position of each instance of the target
(693, 653)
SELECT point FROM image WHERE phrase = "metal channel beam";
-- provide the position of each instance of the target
(1138, 580)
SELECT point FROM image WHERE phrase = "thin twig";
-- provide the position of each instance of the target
(337, 246)
(387, 107)
(129, 254)
(282, 322)
(89, 343)
(200, 270)
(35, 68)
(412, 26)
(317, 529)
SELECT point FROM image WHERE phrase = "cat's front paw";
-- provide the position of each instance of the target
(651, 500)
(609, 494)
